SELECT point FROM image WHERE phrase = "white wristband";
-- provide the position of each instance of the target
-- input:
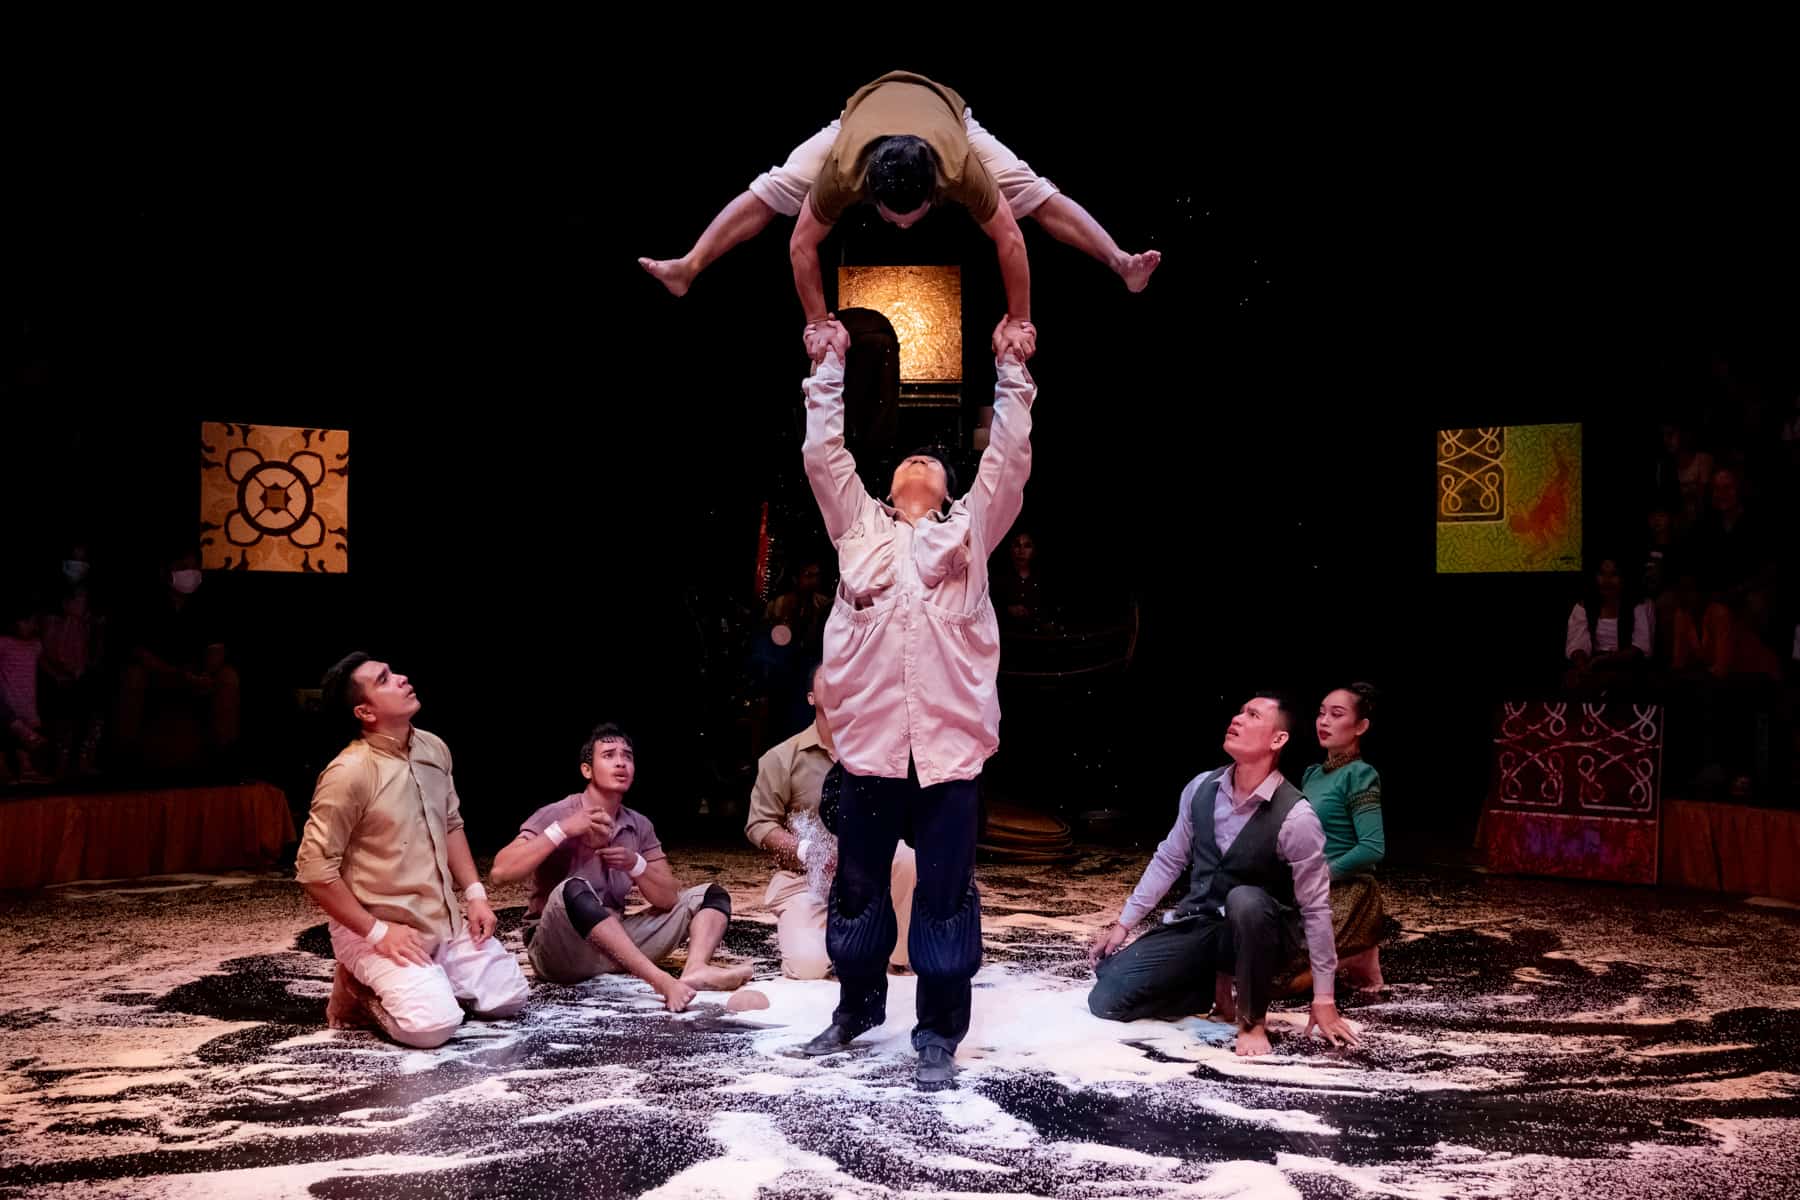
(555, 833)
(638, 867)
(800, 851)
(377, 931)
(474, 892)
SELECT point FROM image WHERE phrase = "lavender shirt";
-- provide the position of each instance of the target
(578, 857)
(1300, 844)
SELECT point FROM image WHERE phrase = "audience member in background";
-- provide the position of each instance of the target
(1736, 559)
(1018, 585)
(1610, 634)
(1689, 471)
(1789, 437)
(791, 641)
(177, 671)
(802, 609)
(1700, 641)
(75, 697)
(20, 651)
(1659, 580)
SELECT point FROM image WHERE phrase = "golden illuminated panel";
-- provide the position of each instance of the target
(273, 498)
(1472, 474)
(924, 304)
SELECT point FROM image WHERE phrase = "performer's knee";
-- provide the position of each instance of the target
(806, 965)
(1107, 1000)
(428, 1038)
(1250, 907)
(949, 947)
(511, 1002)
(717, 899)
(585, 908)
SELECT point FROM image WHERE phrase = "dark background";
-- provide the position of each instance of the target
(558, 468)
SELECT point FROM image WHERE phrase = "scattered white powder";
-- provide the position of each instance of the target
(757, 1155)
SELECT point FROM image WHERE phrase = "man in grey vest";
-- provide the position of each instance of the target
(1254, 857)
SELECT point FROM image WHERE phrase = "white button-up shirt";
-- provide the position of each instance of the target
(912, 648)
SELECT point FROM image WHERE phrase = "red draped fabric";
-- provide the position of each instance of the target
(117, 835)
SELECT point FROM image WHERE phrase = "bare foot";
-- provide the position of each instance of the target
(348, 1007)
(678, 277)
(1253, 1041)
(676, 994)
(1364, 970)
(711, 978)
(1135, 269)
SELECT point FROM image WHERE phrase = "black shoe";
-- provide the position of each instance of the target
(837, 1037)
(936, 1070)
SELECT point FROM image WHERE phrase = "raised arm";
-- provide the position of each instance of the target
(829, 467)
(999, 490)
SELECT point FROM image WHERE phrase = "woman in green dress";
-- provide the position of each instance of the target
(1345, 792)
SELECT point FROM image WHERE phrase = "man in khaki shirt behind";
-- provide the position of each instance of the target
(789, 779)
(382, 854)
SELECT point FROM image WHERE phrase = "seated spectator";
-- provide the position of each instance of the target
(178, 701)
(1735, 554)
(1735, 560)
(1691, 470)
(791, 639)
(1706, 642)
(74, 695)
(1659, 580)
(1018, 585)
(802, 609)
(20, 651)
(1610, 633)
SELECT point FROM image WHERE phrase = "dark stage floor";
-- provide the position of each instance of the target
(164, 1038)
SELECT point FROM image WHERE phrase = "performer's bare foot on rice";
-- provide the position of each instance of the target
(348, 1007)
(1364, 970)
(1135, 269)
(678, 277)
(1254, 1040)
(714, 978)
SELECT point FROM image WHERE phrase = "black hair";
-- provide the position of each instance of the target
(341, 691)
(606, 731)
(1366, 697)
(902, 172)
(1283, 708)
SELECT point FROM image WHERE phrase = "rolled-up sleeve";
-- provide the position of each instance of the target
(453, 819)
(337, 805)
(1301, 844)
(768, 797)
(1172, 857)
